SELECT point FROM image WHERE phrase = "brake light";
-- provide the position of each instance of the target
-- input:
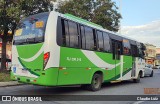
(46, 58)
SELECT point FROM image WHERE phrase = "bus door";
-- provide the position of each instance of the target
(133, 52)
(117, 51)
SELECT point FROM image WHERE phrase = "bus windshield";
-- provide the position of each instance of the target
(31, 30)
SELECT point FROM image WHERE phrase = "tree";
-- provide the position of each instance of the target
(30, 7)
(102, 12)
(11, 11)
(7, 23)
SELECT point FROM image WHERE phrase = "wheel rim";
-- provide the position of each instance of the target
(96, 82)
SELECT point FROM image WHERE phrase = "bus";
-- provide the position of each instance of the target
(54, 49)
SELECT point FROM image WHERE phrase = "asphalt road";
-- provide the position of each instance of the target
(122, 88)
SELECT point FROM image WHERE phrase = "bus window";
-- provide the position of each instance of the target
(143, 48)
(89, 38)
(83, 38)
(141, 53)
(61, 32)
(140, 50)
(126, 47)
(134, 50)
(116, 49)
(100, 40)
(73, 34)
(70, 34)
(66, 33)
(31, 30)
(106, 42)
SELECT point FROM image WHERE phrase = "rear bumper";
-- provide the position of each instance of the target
(47, 78)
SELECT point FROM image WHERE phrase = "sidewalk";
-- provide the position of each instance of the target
(10, 83)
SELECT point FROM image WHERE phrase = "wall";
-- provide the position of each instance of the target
(150, 54)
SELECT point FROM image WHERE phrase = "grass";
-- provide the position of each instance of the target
(4, 76)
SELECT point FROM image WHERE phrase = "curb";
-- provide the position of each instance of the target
(10, 83)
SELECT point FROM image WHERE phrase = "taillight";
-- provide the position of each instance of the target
(46, 58)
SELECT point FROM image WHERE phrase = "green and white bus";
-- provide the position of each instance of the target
(53, 49)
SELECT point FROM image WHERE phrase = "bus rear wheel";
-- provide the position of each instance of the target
(138, 79)
(95, 83)
(151, 75)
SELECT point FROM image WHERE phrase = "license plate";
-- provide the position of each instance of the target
(14, 69)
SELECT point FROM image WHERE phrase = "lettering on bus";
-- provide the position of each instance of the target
(73, 59)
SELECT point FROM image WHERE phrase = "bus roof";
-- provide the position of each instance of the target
(83, 21)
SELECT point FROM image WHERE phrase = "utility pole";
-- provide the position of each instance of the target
(120, 10)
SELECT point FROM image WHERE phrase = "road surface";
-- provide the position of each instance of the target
(122, 88)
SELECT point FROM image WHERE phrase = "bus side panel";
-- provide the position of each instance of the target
(127, 67)
(75, 67)
(78, 66)
(109, 74)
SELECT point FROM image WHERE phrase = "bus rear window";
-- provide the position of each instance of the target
(31, 30)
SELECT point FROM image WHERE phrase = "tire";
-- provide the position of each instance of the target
(141, 75)
(138, 79)
(95, 83)
(151, 75)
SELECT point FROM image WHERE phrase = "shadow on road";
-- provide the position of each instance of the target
(42, 90)
(75, 90)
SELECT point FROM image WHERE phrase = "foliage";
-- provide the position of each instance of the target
(102, 12)
(11, 11)
(30, 7)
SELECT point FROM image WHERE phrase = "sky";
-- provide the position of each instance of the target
(141, 20)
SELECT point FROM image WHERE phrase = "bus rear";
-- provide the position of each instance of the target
(29, 58)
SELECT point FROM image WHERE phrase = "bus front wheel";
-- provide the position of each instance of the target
(95, 83)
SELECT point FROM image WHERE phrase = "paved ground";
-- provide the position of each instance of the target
(11, 83)
(124, 88)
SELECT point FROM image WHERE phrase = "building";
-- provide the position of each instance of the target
(8, 49)
(157, 56)
(8, 46)
(150, 54)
